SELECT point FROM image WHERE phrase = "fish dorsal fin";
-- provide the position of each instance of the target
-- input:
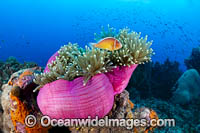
(106, 38)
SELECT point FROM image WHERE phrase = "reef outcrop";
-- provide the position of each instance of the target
(193, 60)
(10, 66)
(18, 101)
(187, 87)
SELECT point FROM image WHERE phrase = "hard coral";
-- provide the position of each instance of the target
(187, 88)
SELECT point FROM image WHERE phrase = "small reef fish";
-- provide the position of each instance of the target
(108, 43)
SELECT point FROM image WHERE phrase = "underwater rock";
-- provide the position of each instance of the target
(193, 61)
(187, 87)
(1, 114)
(6, 104)
(18, 101)
(1, 121)
(10, 66)
(148, 115)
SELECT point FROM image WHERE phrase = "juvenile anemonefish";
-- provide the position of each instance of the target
(108, 43)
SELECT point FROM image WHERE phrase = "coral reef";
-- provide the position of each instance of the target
(164, 77)
(18, 101)
(193, 61)
(155, 79)
(10, 66)
(80, 83)
(165, 109)
(187, 88)
(16, 106)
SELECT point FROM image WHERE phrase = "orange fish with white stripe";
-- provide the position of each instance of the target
(108, 43)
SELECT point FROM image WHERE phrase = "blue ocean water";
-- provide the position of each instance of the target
(32, 30)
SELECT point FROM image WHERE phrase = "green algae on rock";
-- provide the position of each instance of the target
(73, 62)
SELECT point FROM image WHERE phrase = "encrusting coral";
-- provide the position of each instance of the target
(72, 62)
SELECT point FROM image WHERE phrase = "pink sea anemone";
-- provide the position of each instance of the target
(71, 99)
(52, 58)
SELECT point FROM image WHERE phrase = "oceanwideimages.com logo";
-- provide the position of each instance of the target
(46, 121)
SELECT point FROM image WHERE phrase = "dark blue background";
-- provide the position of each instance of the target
(32, 30)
